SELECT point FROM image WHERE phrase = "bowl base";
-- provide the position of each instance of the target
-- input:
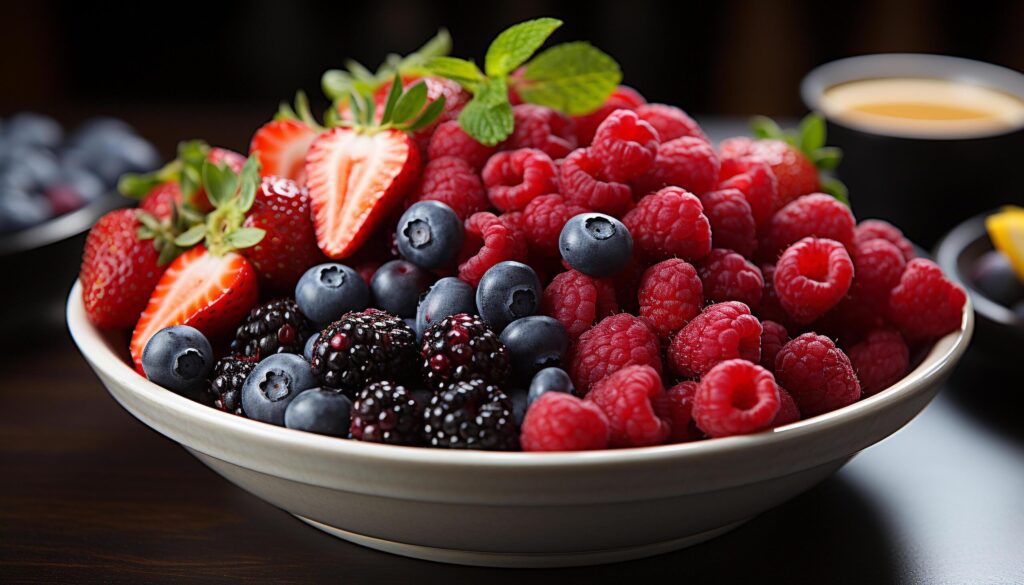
(521, 560)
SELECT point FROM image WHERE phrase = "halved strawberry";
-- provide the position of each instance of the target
(355, 180)
(210, 292)
(281, 146)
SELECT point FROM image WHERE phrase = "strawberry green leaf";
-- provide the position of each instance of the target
(147, 220)
(835, 188)
(393, 95)
(220, 183)
(811, 134)
(463, 72)
(245, 237)
(144, 233)
(191, 237)
(336, 83)
(249, 179)
(574, 78)
(430, 113)
(167, 253)
(827, 158)
(488, 116)
(359, 72)
(369, 109)
(765, 127)
(516, 44)
(355, 106)
(413, 64)
(411, 102)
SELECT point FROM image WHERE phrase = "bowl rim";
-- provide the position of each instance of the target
(927, 65)
(95, 347)
(62, 227)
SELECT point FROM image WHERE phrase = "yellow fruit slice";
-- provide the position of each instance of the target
(1006, 230)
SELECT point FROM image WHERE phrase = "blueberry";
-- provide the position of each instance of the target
(429, 235)
(20, 210)
(508, 291)
(33, 129)
(327, 412)
(88, 186)
(328, 291)
(307, 350)
(397, 286)
(275, 382)
(446, 297)
(519, 405)
(596, 244)
(994, 277)
(178, 358)
(97, 130)
(549, 380)
(31, 168)
(534, 343)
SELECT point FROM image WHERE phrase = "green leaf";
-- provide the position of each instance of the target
(303, 111)
(137, 185)
(765, 127)
(167, 254)
(811, 135)
(249, 179)
(359, 72)
(144, 233)
(336, 83)
(393, 94)
(464, 72)
(516, 44)
(245, 237)
(147, 220)
(430, 113)
(574, 78)
(191, 237)
(827, 158)
(285, 112)
(220, 183)
(332, 117)
(369, 109)
(488, 116)
(836, 188)
(410, 103)
(438, 45)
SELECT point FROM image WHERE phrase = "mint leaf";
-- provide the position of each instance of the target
(488, 116)
(516, 44)
(464, 72)
(574, 78)
(811, 135)
(410, 102)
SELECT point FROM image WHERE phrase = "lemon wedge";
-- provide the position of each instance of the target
(1006, 230)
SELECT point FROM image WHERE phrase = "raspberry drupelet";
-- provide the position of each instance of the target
(736, 397)
(616, 342)
(817, 374)
(721, 332)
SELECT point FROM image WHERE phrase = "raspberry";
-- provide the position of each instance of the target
(542, 128)
(632, 399)
(680, 411)
(543, 220)
(581, 185)
(817, 374)
(625, 145)
(614, 343)
(562, 422)
(574, 299)
(670, 122)
(773, 337)
(670, 223)
(878, 265)
(687, 162)
(871, 229)
(789, 412)
(515, 177)
(724, 331)
(453, 182)
(670, 295)
(880, 360)
(811, 277)
(816, 215)
(771, 308)
(727, 276)
(925, 304)
(622, 98)
(732, 221)
(734, 398)
(795, 172)
(759, 186)
(493, 240)
(515, 220)
(449, 139)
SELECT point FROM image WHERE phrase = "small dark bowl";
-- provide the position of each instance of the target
(923, 184)
(998, 330)
(39, 264)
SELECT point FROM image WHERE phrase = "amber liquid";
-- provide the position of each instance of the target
(923, 111)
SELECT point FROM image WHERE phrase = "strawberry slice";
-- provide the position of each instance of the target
(209, 292)
(281, 146)
(355, 180)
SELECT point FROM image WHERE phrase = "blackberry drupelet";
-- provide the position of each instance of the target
(275, 327)
(471, 415)
(225, 387)
(462, 348)
(385, 412)
(361, 348)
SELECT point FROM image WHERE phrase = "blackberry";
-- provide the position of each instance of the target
(385, 412)
(361, 348)
(225, 386)
(471, 415)
(275, 327)
(460, 348)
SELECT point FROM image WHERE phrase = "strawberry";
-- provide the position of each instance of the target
(282, 209)
(357, 175)
(210, 292)
(161, 200)
(119, 270)
(796, 158)
(281, 146)
(186, 171)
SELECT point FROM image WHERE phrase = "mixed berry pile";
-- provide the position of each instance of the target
(446, 266)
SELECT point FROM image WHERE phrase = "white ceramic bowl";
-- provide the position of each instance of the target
(518, 509)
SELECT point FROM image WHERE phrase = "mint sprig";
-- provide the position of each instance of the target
(574, 78)
(809, 138)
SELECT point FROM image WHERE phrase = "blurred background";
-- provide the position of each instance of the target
(217, 69)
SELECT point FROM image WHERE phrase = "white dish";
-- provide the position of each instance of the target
(518, 509)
